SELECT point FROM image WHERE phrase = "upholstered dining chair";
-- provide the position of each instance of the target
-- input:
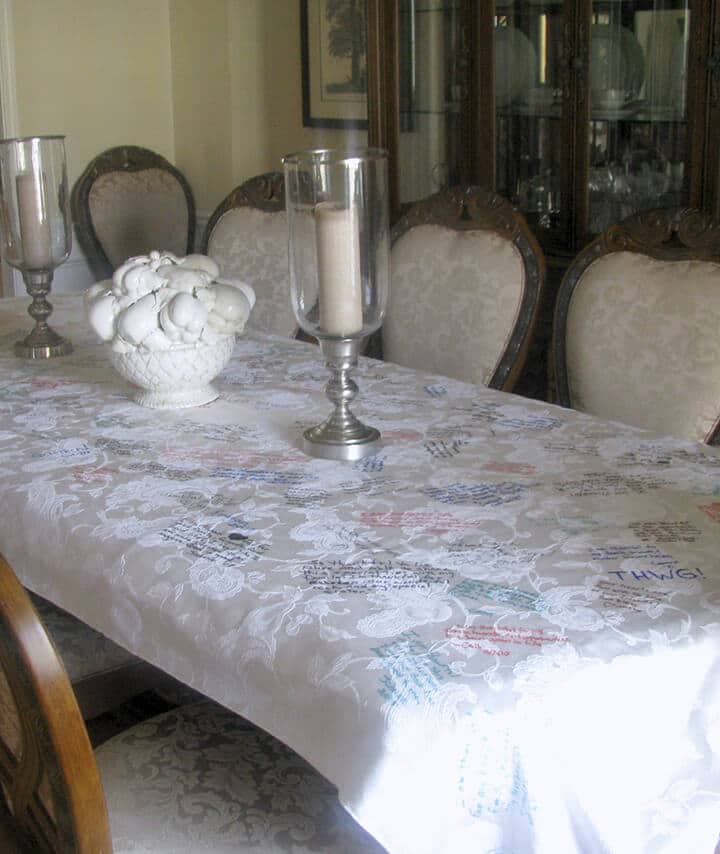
(128, 201)
(197, 778)
(467, 275)
(247, 236)
(636, 325)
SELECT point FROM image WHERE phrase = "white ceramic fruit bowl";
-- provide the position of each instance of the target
(177, 378)
(170, 324)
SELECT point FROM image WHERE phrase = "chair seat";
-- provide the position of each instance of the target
(103, 674)
(200, 778)
(84, 651)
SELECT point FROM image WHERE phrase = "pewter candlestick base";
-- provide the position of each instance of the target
(341, 436)
(42, 342)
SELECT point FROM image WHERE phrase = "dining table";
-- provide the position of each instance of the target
(498, 634)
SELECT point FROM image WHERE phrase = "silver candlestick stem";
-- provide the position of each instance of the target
(341, 436)
(42, 342)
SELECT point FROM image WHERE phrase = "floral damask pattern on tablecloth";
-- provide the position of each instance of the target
(498, 634)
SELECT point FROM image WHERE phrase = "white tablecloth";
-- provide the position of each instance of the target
(499, 634)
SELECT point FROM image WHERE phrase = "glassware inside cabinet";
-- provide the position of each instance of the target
(638, 139)
(528, 111)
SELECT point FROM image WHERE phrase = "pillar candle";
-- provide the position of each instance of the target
(34, 225)
(340, 282)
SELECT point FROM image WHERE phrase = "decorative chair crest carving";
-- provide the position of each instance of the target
(661, 233)
(462, 208)
(265, 192)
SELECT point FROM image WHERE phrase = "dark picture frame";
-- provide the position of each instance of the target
(334, 63)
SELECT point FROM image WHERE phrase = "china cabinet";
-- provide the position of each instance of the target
(580, 112)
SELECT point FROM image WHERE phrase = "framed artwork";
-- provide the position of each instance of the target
(334, 63)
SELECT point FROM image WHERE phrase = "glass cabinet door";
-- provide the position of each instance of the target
(637, 81)
(590, 114)
(530, 94)
(581, 112)
(430, 95)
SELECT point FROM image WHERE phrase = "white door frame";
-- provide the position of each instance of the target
(8, 90)
(9, 120)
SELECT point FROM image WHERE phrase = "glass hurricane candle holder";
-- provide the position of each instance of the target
(35, 227)
(338, 242)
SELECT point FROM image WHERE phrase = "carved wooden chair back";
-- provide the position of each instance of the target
(636, 325)
(128, 201)
(467, 276)
(49, 776)
(247, 236)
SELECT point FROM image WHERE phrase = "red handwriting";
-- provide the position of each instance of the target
(478, 637)
(712, 510)
(86, 474)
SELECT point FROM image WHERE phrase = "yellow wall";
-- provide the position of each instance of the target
(282, 86)
(95, 70)
(237, 92)
(200, 61)
(213, 85)
(248, 98)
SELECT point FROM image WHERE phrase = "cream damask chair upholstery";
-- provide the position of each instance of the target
(247, 237)
(467, 275)
(637, 325)
(128, 201)
(198, 778)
